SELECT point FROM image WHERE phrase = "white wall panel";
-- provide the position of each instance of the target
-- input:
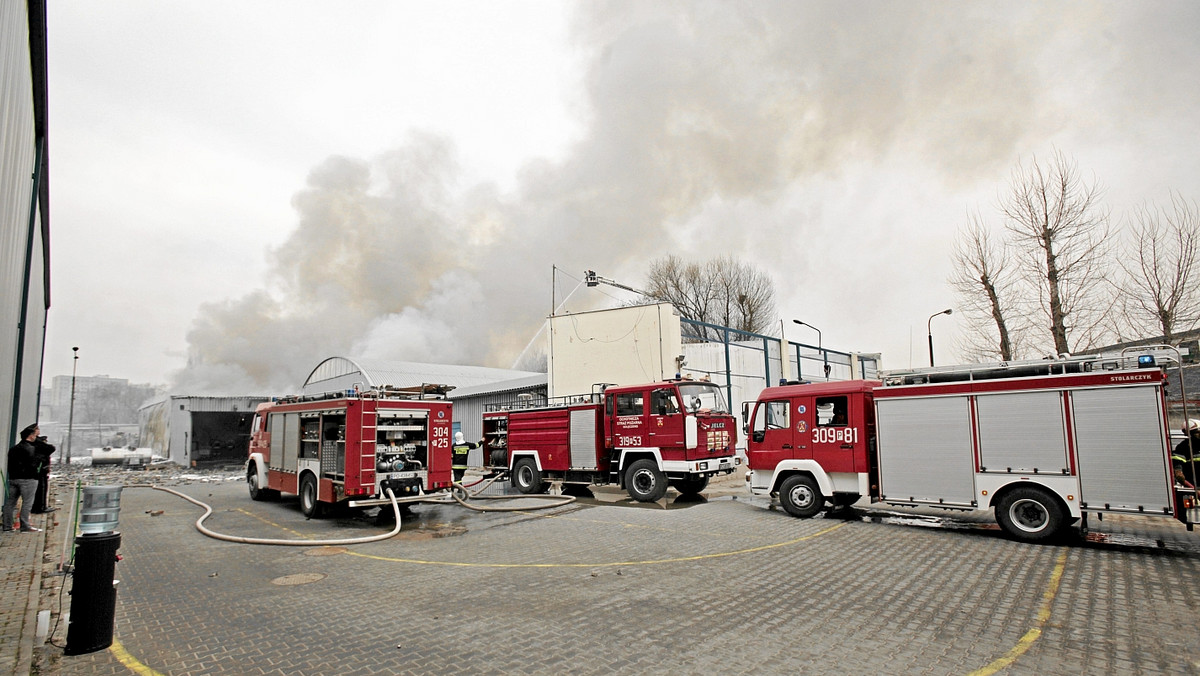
(17, 163)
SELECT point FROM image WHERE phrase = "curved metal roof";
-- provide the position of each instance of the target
(371, 373)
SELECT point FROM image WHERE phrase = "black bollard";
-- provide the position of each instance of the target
(93, 593)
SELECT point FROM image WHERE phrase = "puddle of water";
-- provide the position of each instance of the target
(1123, 539)
(611, 495)
(926, 521)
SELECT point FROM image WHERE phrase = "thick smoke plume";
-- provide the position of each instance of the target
(713, 127)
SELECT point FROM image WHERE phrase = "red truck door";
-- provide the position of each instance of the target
(836, 434)
(771, 434)
(665, 427)
(628, 421)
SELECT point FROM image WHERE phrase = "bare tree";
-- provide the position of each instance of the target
(1160, 294)
(722, 291)
(985, 283)
(1061, 229)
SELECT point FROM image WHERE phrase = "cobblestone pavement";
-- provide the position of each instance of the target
(21, 578)
(605, 586)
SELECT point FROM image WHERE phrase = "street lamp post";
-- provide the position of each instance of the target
(929, 330)
(71, 414)
(824, 355)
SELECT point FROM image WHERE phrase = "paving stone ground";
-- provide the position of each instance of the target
(605, 586)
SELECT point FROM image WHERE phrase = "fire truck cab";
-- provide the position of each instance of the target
(342, 446)
(1041, 443)
(642, 438)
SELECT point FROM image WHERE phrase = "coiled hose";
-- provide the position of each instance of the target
(458, 494)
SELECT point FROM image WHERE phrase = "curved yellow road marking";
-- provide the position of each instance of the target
(272, 523)
(678, 559)
(118, 651)
(1035, 633)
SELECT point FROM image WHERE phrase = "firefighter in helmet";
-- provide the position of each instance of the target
(459, 455)
(1184, 459)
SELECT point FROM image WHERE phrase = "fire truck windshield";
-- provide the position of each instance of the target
(703, 397)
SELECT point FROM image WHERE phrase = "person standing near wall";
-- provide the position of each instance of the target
(22, 480)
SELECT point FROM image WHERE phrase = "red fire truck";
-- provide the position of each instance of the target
(336, 447)
(642, 438)
(1042, 443)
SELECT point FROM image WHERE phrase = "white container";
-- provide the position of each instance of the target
(101, 506)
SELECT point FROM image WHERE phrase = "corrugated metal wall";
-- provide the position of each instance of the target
(18, 157)
(468, 414)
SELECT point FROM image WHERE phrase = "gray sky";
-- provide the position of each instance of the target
(241, 189)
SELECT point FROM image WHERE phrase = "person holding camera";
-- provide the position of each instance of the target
(44, 451)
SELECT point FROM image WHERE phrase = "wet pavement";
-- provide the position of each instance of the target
(725, 583)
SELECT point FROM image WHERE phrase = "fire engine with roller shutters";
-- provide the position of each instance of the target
(1043, 443)
(332, 448)
(642, 438)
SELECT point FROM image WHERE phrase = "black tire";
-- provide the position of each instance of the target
(801, 496)
(1030, 514)
(257, 492)
(645, 482)
(526, 477)
(692, 485)
(310, 506)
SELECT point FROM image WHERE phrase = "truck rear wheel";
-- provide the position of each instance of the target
(801, 496)
(645, 482)
(310, 506)
(1030, 514)
(526, 477)
(692, 485)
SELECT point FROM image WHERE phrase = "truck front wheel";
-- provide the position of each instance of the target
(692, 485)
(1030, 514)
(310, 506)
(258, 492)
(526, 477)
(801, 496)
(645, 482)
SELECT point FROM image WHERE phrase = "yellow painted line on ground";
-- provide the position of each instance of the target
(118, 651)
(631, 525)
(280, 527)
(1035, 633)
(698, 557)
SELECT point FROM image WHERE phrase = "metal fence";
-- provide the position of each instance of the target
(744, 363)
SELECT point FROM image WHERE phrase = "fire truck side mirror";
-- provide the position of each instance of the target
(745, 417)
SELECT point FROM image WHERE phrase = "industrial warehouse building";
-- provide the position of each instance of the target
(206, 431)
(199, 431)
(24, 210)
(474, 386)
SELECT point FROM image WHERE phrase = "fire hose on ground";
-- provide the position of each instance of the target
(458, 494)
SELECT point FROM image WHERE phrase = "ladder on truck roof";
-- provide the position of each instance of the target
(414, 392)
(1128, 358)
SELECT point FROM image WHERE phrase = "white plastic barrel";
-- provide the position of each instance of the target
(101, 506)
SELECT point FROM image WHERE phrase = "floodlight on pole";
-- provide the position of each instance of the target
(71, 414)
(929, 330)
(824, 355)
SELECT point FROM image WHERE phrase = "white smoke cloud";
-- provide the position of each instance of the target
(713, 127)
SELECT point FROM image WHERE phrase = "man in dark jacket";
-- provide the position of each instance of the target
(44, 451)
(22, 480)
